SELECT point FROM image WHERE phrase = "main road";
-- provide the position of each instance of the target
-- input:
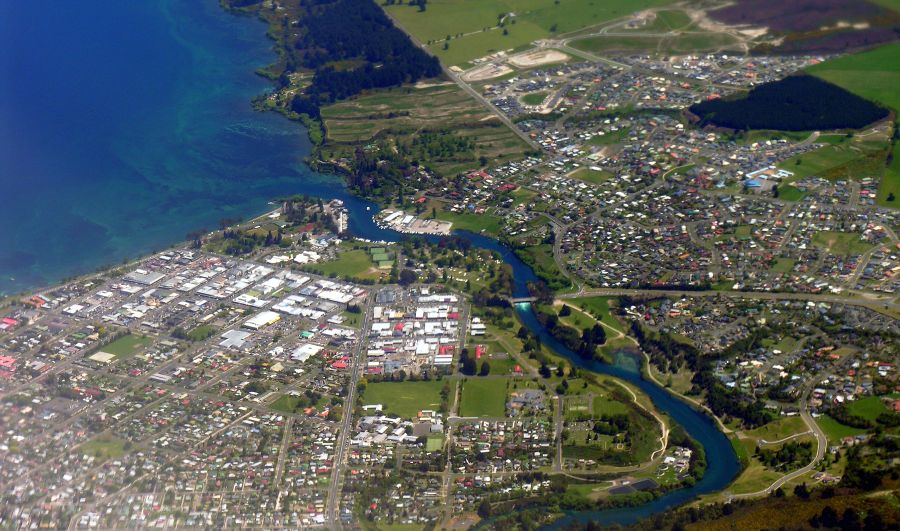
(346, 421)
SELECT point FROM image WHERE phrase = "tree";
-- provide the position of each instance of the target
(801, 491)
(891, 197)
(565, 311)
(484, 509)
(545, 370)
(505, 31)
(407, 277)
(485, 369)
(775, 191)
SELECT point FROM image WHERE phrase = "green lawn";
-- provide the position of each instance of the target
(841, 243)
(349, 263)
(201, 332)
(285, 403)
(599, 308)
(483, 397)
(591, 176)
(534, 98)
(790, 193)
(606, 406)
(783, 265)
(405, 399)
(478, 223)
(873, 74)
(434, 443)
(351, 319)
(868, 408)
(610, 138)
(104, 447)
(835, 431)
(127, 345)
(779, 429)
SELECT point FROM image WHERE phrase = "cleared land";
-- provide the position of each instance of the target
(874, 75)
(841, 243)
(404, 113)
(473, 25)
(404, 398)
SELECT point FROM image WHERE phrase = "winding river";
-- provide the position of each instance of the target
(722, 462)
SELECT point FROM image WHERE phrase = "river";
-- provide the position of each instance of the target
(722, 462)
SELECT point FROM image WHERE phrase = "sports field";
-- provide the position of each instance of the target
(405, 399)
(474, 25)
(127, 345)
(483, 397)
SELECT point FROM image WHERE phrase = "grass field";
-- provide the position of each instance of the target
(779, 429)
(591, 176)
(473, 24)
(841, 243)
(874, 75)
(201, 332)
(483, 397)
(285, 403)
(478, 223)
(835, 431)
(599, 308)
(128, 345)
(534, 98)
(868, 408)
(783, 265)
(104, 447)
(682, 43)
(839, 161)
(790, 193)
(404, 398)
(349, 263)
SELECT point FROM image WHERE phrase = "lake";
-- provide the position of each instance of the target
(124, 125)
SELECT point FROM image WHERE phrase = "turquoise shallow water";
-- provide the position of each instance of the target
(126, 124)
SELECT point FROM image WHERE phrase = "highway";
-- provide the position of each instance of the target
(346, 423)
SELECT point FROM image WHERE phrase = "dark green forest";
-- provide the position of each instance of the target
(796, 103)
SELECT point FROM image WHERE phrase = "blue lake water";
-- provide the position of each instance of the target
(126, 124)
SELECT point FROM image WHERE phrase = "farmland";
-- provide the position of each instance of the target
(403, 114)
(874, 75)
(681, 43)
(474, 27)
